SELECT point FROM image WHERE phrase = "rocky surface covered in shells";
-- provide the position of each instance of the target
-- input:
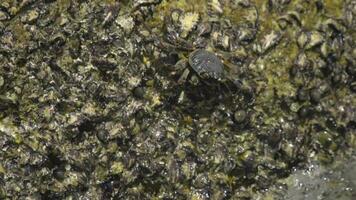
(93, 104)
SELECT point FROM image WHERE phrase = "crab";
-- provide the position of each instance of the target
(205, 53)
(204, 64)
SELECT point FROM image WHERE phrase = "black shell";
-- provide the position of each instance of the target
(206, 64)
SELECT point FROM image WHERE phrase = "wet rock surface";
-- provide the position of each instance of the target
(318, 182)
(96, 103)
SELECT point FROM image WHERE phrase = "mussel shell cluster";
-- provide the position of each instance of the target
(90, 107)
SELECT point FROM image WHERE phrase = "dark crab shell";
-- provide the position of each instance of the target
(206, 64)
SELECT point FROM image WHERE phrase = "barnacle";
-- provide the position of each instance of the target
(188, 21)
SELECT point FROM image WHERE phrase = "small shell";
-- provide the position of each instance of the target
(204, 29)
(271, 40)
(2, 27)
(353, 86)
(30, 17)
(302, 39)
(277, 4)
(337, 46)
(333, 49)
(2, 81)
(139, 3)
(333, 25)
(291, 18)
(221, 40)
(294, 16)
(302, 61)
(175, 15)
(316, 38)
(310, 40)
(239, 57)
(283, 22)
(3, 16)
(350, 13)
(242, 3)
(200, 42)
(246, 35)
(215, 6)
(240, 116)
